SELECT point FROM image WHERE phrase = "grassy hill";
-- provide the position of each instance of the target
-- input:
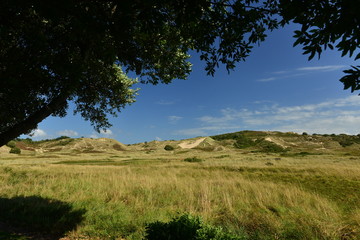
(262, 141)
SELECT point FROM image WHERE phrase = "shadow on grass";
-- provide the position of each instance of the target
(36, 216)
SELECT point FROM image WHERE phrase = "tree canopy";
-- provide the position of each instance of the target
(54, 52)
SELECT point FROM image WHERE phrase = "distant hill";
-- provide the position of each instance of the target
(291, 142)
(251, 141)
(75, 145)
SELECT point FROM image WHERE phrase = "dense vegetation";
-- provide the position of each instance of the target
(186, 227)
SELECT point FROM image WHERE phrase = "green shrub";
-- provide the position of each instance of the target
(62, 137)
(11, 144)
(193, 159)
(15, 150)
(269, 147)
(169, 148)
(346, 140)
(226, 136)
(243, 142)
(26, 140)
(186, 227)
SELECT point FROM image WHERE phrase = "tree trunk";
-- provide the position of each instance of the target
(33, 120)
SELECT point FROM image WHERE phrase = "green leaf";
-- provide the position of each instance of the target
(299, 40)
(357, 56)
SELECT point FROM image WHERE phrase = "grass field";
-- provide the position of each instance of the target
(114, 195)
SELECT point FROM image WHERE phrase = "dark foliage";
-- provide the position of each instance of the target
(169, 148)
(346, 140)
(193, 159)
(15, 150)
(186, 227)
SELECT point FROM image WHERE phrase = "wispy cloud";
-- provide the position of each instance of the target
(164, 102)
(203, 131)
(280, 72)
(267, 79)
(174, 119)
(332, 116)
(103, 133)
(285, 74)
(68, 133)
(322, 68)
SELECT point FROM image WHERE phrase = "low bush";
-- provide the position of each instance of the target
(186, 227)
(169, 148)
(269, 147)
(15, 150)
(243, 142)
(193, 159)
(62, 137)
(11, 144)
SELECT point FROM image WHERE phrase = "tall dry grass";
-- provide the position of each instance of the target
(120, 200)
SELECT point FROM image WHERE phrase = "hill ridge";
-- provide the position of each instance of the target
(243, 140)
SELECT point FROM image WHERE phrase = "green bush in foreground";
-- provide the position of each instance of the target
(186, 227)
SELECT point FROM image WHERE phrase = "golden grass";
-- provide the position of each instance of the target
(233, 189)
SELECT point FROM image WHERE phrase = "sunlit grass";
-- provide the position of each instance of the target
(296, 197)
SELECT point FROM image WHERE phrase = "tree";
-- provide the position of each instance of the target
(53, 52)
(332, 24)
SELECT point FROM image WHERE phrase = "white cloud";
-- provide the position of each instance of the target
(267, 79)
(322, 68)
(68, 133)
(103, 133)
(280, 72)
(94, 135)
(262, 102)
(300, 72)
(331, 116)
(106, 132)
(202, 131)
(228, 114)
(340, 124)
(38, 133)
(158, 139)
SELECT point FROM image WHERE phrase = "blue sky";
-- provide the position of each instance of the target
(277, 88)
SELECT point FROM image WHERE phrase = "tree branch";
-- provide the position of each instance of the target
(32, 121)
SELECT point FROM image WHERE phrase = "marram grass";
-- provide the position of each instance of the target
(281, 201)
